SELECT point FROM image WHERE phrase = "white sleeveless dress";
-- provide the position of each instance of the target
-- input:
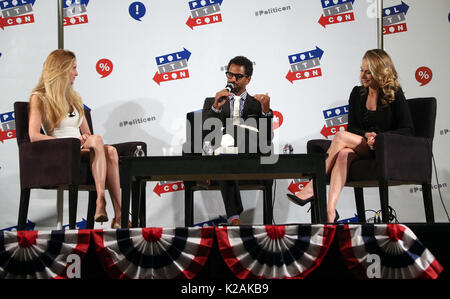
(69, 126)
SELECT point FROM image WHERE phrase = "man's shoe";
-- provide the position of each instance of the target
(235, 221)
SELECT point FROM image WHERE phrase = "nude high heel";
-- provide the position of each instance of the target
(101, 216)
(116, 224)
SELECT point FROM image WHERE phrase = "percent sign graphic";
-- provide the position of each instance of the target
(424, 75)
(104, 67)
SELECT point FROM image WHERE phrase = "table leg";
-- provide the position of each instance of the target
(142, 206)
(188, 204)
(135, 204)
(125, 184)
(268, 207)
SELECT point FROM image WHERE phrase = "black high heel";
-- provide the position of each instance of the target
(336, 218)
(298, 201)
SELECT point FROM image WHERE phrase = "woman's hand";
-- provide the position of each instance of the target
(370, 136)
(84, 137)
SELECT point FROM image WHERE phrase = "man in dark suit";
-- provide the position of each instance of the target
(222, 106)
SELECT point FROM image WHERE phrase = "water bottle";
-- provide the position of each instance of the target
(288, 149)
(207, 149)
(139, 152)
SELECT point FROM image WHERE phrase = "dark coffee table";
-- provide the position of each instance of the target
(136, 170)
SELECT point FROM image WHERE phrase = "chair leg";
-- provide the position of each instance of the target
(428, 202)
(384, 200)
(188, 204)
(59, 208)
(73, 199)
(92, 204)
(359, 199)
(23, 208)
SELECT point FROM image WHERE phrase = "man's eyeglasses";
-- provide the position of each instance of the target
(237, 76)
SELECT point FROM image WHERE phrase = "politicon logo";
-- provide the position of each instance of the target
(336, 11)
(336, 119)
(305, 65)
(297, 185)
(394, 19)
(204, 12)
(172, 66)
(75, 12)
(16, 12)
(8, 126)
(168, 187)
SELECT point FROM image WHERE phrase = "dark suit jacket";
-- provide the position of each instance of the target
(394, 118)
(252, 108)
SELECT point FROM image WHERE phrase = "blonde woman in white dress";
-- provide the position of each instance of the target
(58, 109)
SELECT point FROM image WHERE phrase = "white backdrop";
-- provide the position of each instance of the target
(128, 104)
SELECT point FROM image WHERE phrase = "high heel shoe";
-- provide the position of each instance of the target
(101, 217)
(298, 201)
(116, 224)
(336, 218)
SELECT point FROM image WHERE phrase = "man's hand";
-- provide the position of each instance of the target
(223, 93)
(264, 99)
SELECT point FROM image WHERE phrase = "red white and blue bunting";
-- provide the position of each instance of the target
(274, 251)
(159, 253)
(387, 251)
(42, 255)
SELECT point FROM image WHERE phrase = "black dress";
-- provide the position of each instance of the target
(393, 118)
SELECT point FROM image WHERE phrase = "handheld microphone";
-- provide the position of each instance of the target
(229, 87)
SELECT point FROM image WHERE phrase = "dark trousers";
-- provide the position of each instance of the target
(231, 196)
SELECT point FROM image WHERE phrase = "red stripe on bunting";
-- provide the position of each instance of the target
(345, 243)
(202, 256)
(108, 264)
(328, 235)
(228, 255)
(432, 271)
(84, 237)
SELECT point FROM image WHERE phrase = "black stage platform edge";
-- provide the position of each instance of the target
(435, 237)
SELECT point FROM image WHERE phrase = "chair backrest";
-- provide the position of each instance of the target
(194, 133)
(21, 120)
(423, 113)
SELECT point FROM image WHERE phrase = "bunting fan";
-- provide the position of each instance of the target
(158, 253)
(290, 251)
(43, 254)
(388, 251)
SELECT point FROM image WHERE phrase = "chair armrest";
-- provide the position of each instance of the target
(128, 148)
(318, 146)
(405, 158)
(50, 163)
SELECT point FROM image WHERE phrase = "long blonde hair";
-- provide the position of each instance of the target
(384, 73)
(55, 91)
